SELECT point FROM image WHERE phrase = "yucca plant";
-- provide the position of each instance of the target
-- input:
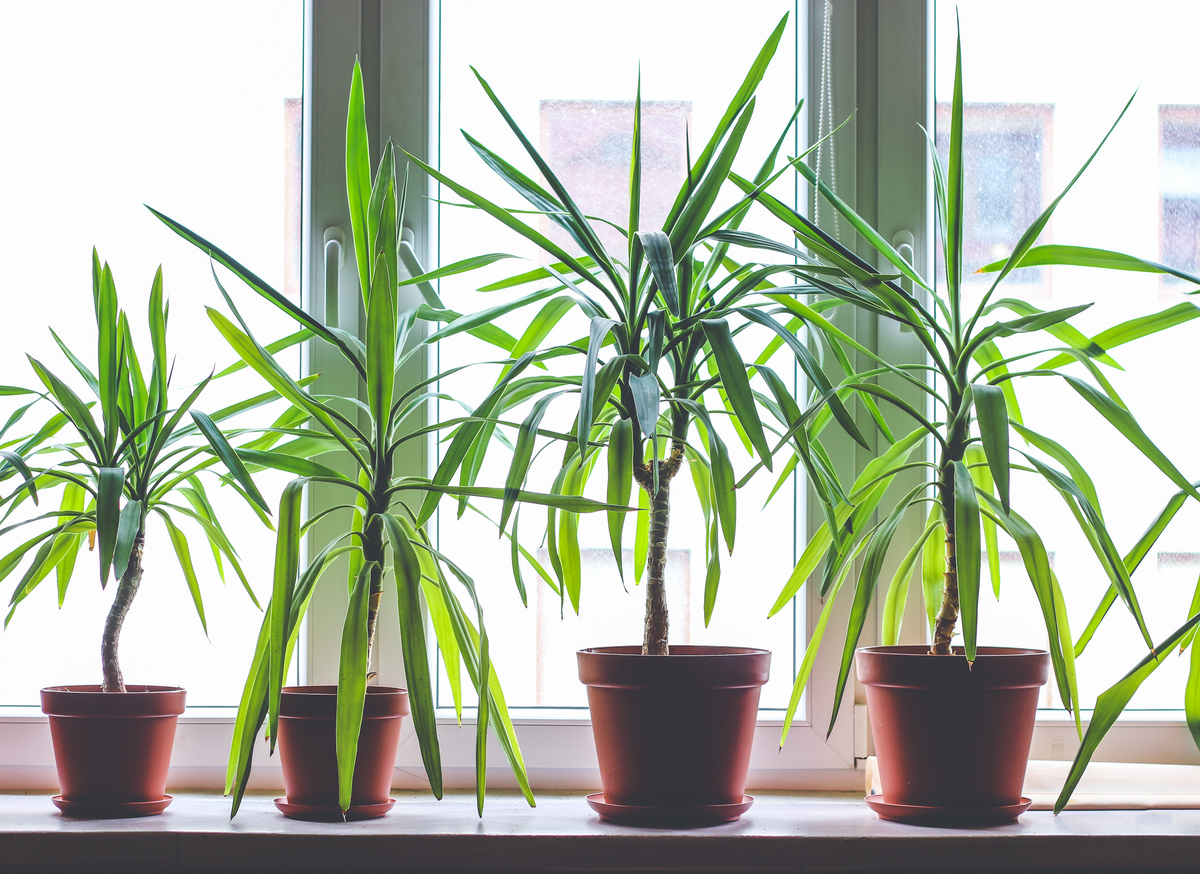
(382, 536)
(660, 355)
(130, 455)
(977, 428)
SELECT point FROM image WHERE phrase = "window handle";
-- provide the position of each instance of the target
(905, 245)
(334, 242)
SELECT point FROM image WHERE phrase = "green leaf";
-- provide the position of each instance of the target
(1099, 538)
(966, 555)
(358, 177)
(128, 526)
(1037, 568)
(156, 317)
(641, 536)
(977, 463)
(290, 463)
(620, 484)
(955, 192)
(684, 229)
(569, 503)
(1111, 703)
(864, 593)
(568, 535)
(381, 346)
(812, 369)
(184, 554)
(737, 385)
(406, 568)
(256, 284)
(74, 499)
(1066, 459)
(19, 463)
(352, 682)
(897, 593)
(1123, 421)
(1134, 329)
(578, 225)
(659, 256)
(225, 452)
(108, 350)
(506, 218)
(1083, 256)
(266, 366)
(109, 483)
(465, 437)
(814, 643)
(287, 561)
(646, 403)
(933, 567)
(75, 409)
(993, 430)
(598, 331)
(522, 455)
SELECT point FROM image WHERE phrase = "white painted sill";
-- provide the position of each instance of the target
(779, 833)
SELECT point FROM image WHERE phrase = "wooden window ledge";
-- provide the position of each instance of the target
(782, 832)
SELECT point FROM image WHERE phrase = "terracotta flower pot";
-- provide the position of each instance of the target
(673, 733)
(952, 742)
(112, 750)
(308, 755)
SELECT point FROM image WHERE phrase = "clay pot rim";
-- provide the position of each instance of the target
(331, 689)
(694, 651)
(130, 689)
(320, 702)
(135, 702)
(990, 652)
(686, 667)
(912, 667)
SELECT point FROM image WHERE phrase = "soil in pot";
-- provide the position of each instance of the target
(673, 733)
(307, 752)
(952, 741)
(112, 749)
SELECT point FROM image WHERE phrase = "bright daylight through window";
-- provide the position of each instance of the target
(1027, 129)
(193, 108)
(581, 120)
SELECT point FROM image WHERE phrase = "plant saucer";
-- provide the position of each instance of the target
(326, 813)
(110, 809)
(915, 814)
(682, 817)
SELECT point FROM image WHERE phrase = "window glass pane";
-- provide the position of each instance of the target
(571, 87)
(1039, 100)
(193, 108)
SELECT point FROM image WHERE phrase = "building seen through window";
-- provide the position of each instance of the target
(1007, 153)
(1179, 126)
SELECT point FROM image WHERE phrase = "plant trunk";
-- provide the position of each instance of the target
(956, 448)
(126, 590)
(373, 551)
(654, 638)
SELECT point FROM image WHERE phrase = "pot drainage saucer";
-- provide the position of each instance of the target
(325, 813)
(690, 815)
(915, 814)
(110, 809)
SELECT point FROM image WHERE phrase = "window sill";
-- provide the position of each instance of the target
(821, 832)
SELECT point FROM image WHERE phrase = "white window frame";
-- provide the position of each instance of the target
(882, 55)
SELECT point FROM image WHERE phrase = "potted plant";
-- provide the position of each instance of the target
(132, 455)
(953, 725)
(338, 743)
(673, 725)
